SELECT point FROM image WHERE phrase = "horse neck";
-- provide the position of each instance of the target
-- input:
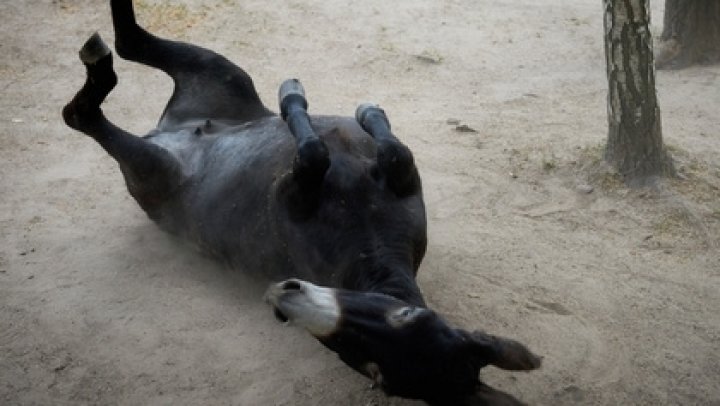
(396, 281)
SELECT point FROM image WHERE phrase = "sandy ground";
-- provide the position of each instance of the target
(618, 289)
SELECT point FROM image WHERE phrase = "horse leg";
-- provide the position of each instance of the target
(394, 159)
(207, 85)
(151, 172)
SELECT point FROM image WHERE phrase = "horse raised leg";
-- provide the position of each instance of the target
(207, 85)
(151, 172)
(394, 159)
(312, 158)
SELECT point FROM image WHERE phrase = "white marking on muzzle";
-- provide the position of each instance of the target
(312, 307)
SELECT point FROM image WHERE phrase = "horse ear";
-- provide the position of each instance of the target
(503, 352)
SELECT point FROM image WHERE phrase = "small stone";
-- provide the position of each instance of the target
(60, 367)
(431, 57)
(465, 129)
(587, 189)
(513, 175)
(17, 120)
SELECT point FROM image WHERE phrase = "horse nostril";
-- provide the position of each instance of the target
(291, 285)
(280, 315)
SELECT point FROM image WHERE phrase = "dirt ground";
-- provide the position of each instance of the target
(618, 289)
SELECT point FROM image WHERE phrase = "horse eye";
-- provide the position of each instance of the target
(404, 315)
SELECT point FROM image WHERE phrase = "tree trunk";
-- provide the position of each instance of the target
(634, 148)
(691, 33)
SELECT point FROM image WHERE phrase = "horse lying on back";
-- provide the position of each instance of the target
(329, 201)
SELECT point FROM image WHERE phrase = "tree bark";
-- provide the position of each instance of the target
(691, 33)
(635, 147)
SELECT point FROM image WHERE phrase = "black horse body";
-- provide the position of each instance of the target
(331, 201)
(233, 203)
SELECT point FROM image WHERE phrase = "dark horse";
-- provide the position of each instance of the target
(330, 201)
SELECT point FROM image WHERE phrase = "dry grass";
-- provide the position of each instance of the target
(168, 18)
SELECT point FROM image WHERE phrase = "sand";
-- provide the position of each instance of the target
(529, 236)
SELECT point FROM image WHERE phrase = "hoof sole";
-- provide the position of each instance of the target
(365, 110)
(290, 87)
(291, 95)
(93, 50)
